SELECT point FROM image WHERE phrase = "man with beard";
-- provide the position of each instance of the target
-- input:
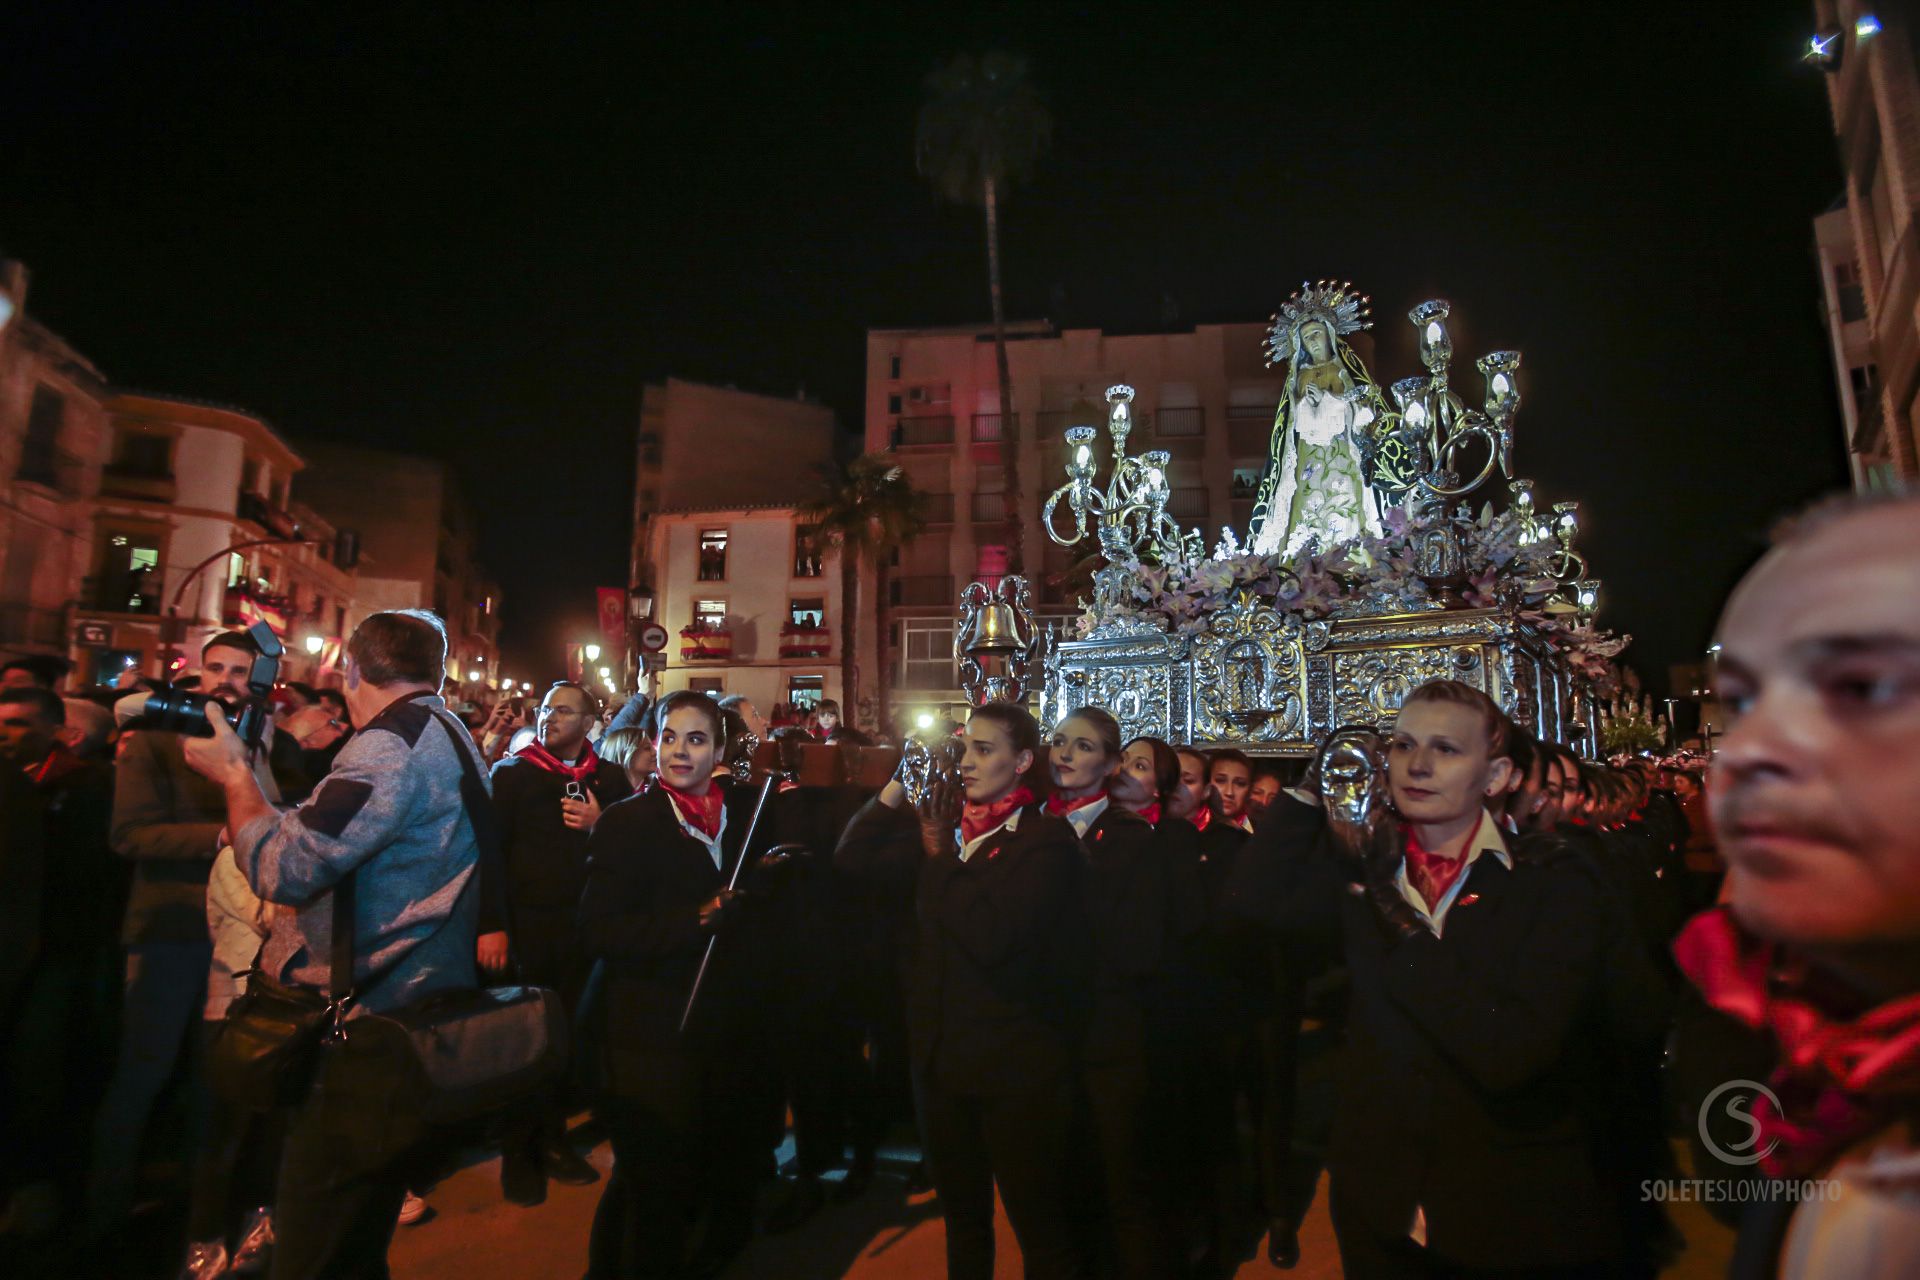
(168, 821)
(549, 795)
(1815, 796)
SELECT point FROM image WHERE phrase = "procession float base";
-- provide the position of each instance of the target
(1269, 683)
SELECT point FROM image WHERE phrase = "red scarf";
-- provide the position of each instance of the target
(59, 763)
(1152, 814)
(1838, 1081)
(1430, 873)
(580, 771)
(1059, 806)
(1201, 817)
(702, 813)
(978, 819)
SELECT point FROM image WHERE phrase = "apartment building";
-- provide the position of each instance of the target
(751, 603)
(1873, 87)
(1203, 395)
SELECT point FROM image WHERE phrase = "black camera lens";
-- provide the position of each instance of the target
(176, 711)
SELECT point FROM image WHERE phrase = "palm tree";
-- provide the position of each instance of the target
(983, 126)
(868, 511)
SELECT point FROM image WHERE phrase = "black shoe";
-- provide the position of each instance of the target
(799, 1199)
(919, 1179)
(522, 1180)
(566, 1166)
(859, 1178)
(1283, 1245)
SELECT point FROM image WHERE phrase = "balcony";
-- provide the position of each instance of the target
(937, 508)
(1188, 504)
(50, 467)
(928, 431)
(22, 624)
(122, 592)
(922, 590)
(135, 480)
(990, 432)
(277, 523)
(1179, 423)
(989, 508)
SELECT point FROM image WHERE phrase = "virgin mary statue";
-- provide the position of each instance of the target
(1314, 491)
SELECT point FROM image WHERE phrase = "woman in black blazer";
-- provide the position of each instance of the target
(997, 993)
(678, 1107)
(1129, 912)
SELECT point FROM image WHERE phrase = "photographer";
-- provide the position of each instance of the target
(391, 814)
(167, 821)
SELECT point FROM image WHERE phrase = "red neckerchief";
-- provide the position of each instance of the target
(1059, 806)
(702, 813)
(978, 819)
(580, 771)
(59, 763)
(1838, 1080)
(1431, 873)
(1201, 817)
(1151, 813)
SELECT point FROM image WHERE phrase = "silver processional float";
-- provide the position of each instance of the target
(1366, 569)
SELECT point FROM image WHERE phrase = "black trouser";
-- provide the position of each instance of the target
(1116, 1096)
(234, 1169)
(684, 1144)
(547, 955)
(331, 1222)
(1367, 1255)
(1020, 1142)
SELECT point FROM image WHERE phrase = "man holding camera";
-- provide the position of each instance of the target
(393, 815)
(167, 820)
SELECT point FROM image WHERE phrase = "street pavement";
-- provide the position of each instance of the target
(475, 1235)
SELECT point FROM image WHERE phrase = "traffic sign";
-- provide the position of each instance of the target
(653, 637)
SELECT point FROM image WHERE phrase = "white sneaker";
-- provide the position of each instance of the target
(412, 1209)
(255, 1250)
(206, 1260)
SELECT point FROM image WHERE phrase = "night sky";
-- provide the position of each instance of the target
(475, 231)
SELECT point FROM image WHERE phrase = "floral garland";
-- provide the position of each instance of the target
(1504, 567)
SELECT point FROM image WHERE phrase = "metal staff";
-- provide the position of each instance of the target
(733, 881)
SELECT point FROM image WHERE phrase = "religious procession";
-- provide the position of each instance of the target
(1250, 844)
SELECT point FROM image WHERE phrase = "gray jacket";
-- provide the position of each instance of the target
(390, 809)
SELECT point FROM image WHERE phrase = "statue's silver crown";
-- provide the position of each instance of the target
(1333, 302)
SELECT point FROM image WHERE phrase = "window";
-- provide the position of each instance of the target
(1853, 298)
(930, 393)
(1246, 481)
(128, 580)
(713, 555)
(804, 692)
(893, 368)
(807, 611)
(926, 655)
(806, 551)
(236, 568)
(893, 403)
(44, 418)
(714, 611)
(340, 620)
(40, 451)
(250, 476)
(712, 686)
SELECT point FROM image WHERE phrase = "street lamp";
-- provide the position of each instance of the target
(315, 644)
(593, 652)
(473, 677)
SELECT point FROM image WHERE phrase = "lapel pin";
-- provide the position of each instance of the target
(1468, 900)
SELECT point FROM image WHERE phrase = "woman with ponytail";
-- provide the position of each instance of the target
(998, 990)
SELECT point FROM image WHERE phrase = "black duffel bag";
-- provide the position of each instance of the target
(480, 1049)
